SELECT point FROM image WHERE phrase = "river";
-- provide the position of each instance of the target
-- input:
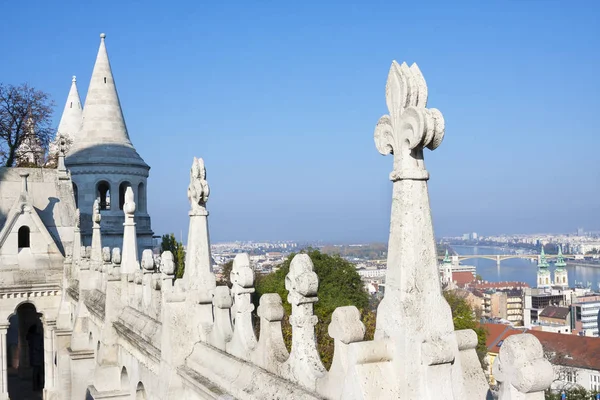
(519, 269)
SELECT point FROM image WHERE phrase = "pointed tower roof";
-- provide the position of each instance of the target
(103, 137)
(70, 122)
(560, 260)
(447, 259)
(543, 263)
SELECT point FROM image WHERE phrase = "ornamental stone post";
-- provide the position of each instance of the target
(198, 278)
(413, 312)
(129, 257)
(96, 255)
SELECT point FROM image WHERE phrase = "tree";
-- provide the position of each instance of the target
(464, 317)
(25, 124)
(169, 243)
(576, 393)
(225, 274)
(339, 285)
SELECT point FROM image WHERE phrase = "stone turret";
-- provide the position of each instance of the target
(543, 274)
(103, 162)
(70, 122)
(561, 277)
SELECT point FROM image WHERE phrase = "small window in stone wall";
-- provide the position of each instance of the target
(24, 235)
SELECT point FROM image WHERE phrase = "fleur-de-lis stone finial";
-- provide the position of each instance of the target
(410, 126)
(198, 190)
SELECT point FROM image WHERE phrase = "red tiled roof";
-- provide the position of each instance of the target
(500, 285)
(497, 333)
(571, 350)
(568, 350)
(555, 312)
(462, 278)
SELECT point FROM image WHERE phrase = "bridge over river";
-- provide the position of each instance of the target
(500, 257)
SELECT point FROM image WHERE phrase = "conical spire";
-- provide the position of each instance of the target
(70, 122)
(560, 260)
(103, 136)
(543, 263)
(447, 258)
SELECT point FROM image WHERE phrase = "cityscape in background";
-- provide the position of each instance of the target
(535, 283)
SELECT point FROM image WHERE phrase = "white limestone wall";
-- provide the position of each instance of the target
(39, 263)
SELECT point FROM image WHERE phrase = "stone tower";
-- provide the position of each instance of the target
(70, 122)
(543, 274)
(103, 162)
(561, 277)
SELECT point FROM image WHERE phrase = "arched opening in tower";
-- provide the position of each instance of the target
(142, 197)
(140, 392)
(25, 353)
(103, 193)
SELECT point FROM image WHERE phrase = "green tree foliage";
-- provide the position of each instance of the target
(339, 285)
(169, 243)
(371, 251)
(577, 393)
(551, 248)
(225, 274)
(464, 318)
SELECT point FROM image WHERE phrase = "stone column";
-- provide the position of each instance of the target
(49, 328)
(4, 360)
(199, 279)
(129, 258)
(96, 256)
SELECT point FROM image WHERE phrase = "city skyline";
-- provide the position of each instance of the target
(280, 87)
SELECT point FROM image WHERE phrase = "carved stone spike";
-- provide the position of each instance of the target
(77, 218)
(106, 254)
(198, 190)
(346, 325)
(167, 263)
(241, 274)
(116, 256)
(148, 260)
(301, 282)
(96, 217)
(521, 368)
(410, 126)
(129, 206)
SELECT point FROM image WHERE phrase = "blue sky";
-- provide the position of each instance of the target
(281, 100)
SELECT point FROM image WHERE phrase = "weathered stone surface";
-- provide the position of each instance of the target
(521, 369)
